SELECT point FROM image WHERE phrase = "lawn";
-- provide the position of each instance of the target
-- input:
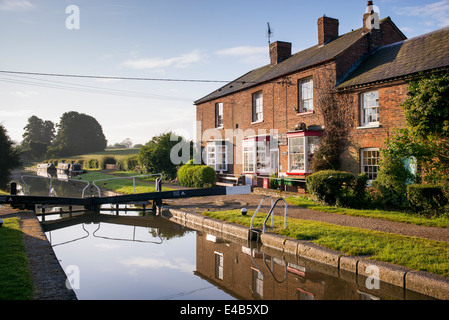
(122, 183)
(414, 253)
(107, 152)
(397, 216)
(15, 276)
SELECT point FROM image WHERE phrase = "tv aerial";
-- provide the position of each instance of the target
(269, 33)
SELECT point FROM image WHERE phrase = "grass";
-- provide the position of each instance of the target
(414, 253)
(120, 185)
(15, 276)
(397, 216)
(107, 152)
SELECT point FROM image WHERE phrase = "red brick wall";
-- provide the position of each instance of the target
(391, 117)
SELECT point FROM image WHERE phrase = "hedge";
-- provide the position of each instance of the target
(338, 188)
(426, 198)
(195, 176)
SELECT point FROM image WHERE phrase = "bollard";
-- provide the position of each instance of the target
(13, 188)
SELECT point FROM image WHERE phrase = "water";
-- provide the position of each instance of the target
(119, 261)
(129, 256)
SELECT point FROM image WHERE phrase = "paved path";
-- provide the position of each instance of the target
(48, 276)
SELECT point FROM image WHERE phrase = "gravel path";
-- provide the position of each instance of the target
(251, 202)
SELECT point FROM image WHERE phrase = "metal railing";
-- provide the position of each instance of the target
(273, 206)
(157, 182)
(51, 183)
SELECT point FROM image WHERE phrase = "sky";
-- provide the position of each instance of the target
(208, 41)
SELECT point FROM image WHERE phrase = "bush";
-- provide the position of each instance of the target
(331, 187)
(427, 199)
(194, 176)
(93, 164)
(107, 160)
(130, 163)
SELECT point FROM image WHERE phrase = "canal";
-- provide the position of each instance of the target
(128, 255)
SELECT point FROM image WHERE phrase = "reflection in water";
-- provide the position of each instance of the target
(149, 257)
(127, 255)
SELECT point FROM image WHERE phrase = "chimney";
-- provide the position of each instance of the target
(327, 30)
(279, 51)
(371, 26)
(371, 20)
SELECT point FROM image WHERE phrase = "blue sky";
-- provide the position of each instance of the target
(169, 39)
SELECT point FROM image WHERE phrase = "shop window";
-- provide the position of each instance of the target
(301, 148)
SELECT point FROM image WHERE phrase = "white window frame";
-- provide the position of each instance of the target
(305, 91)
(214, 155)
(257, 113)
(368, 162)
(369, 109)
(219, 265)
(256, 155)
(309, 145)
(219, 115)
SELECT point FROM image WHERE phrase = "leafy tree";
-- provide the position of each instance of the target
(425, 139)
(9, 158)
(38, 136)
(78, 133)
(155, 156)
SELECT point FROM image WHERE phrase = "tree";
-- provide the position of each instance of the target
(426, 135)
(9, 158)
(155, 156)
(78, 133)
(38, 136)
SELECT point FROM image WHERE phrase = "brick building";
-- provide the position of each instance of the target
(268, 121)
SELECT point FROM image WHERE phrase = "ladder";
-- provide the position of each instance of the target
(255, 233)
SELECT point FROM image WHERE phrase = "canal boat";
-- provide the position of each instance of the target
(45, 169)
(72, 169)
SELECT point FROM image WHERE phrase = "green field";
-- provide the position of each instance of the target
(107, 152)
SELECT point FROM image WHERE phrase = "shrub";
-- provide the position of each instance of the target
(130, 163)
(106, 160)
(197, 176)
(93, 164)
(425, 198)
(331, 187)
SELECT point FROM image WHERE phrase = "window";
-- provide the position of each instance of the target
(257, 107)
(219, 115)
(301, 148)
(305, 95)
(257, 283)
(256, 155)
(370, 162)
(217, 155)
(219, 265)
(369, 108)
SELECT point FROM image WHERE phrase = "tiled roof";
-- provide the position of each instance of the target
(301, 60)
(423, 53)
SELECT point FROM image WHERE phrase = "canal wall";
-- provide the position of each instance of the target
(395, 281)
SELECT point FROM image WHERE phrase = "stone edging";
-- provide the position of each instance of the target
(418, 281)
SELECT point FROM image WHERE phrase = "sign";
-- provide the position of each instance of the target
(281, 139)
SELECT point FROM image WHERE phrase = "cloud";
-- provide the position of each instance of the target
(183, 61)
(246, 54)
(153, 263)
(15, 5)
(436, 13)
